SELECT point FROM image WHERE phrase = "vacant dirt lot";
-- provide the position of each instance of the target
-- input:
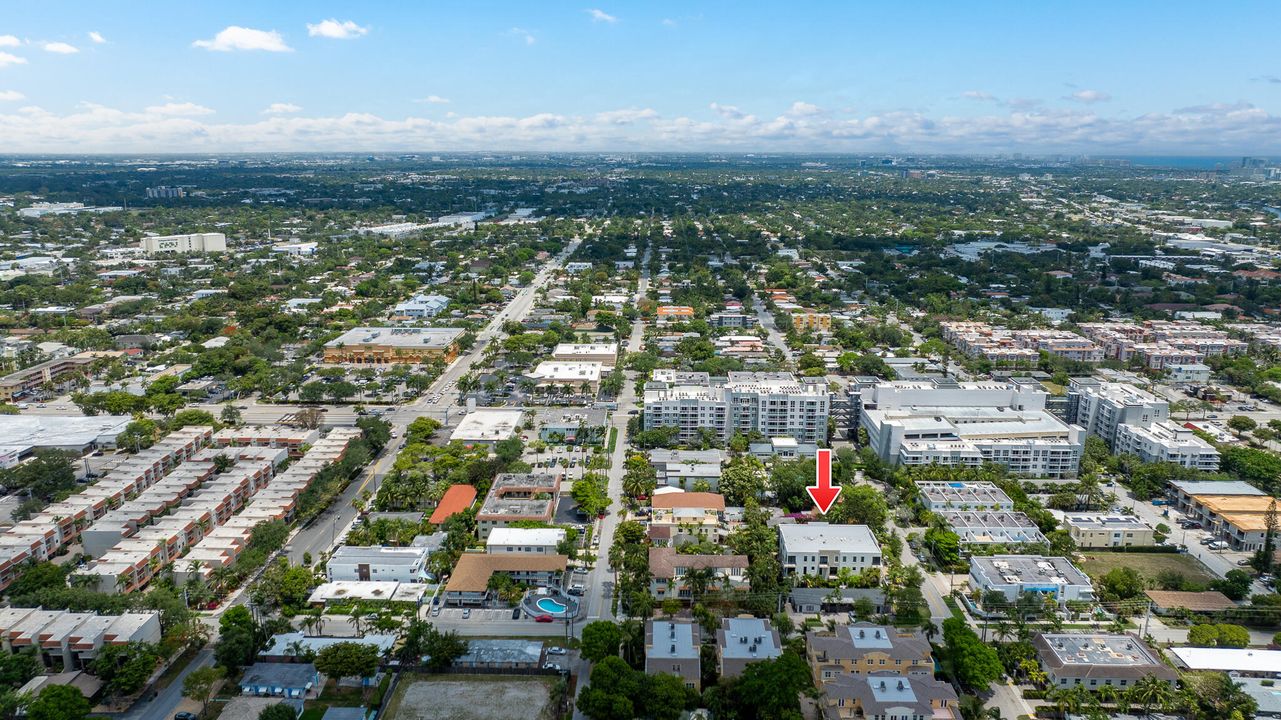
(471, 697)
(1148, 564)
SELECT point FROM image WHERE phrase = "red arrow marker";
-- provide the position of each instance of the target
(823, 493)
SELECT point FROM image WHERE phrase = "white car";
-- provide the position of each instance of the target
(556, 650)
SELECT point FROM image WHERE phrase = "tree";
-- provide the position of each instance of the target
(769, 689)
(347, 659)
(200, 683)
(230, 415)
(421, 430)
(614, 685)
(1122, 583)
(279, 711)
(600, 639)
(976, 665)
(1241, 424)
(59, 702)
(1235, 584)
(744, 477)
(664, 697)
(18, 667)
(1218, 635)
(125, 668)
(443, 648)
(192, 416)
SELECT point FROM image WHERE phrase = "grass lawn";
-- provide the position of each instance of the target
(613, 439)
(1099, 564)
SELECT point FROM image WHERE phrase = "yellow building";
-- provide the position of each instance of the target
(389, 346)
(809, 321)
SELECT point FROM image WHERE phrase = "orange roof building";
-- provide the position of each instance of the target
(457, 499)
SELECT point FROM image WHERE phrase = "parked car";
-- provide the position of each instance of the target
(515, 613)
(543, 618)
(466, 613)
(184, 716)
(1206, 540)
(1217, 545)
(1244, 562)
(556, 650)
(551, 666)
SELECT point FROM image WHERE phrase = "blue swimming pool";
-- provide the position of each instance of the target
(550, 606)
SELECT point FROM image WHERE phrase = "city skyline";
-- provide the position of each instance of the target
(630, 77)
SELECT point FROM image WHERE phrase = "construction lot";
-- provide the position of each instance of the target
(472, 697)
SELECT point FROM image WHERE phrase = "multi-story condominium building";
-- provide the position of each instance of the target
(422, 306)
(674, 647)
(1095, 660)
(939, 496)
(863, 648)
(824, 550)
(670, 570)
(949, 423)
(741, 641)
(1184, 493)
(517, 497)
(402, 564)
(560, 375)
(1101, 407)
(469, 583)
(390, 346)
(1190, 374)
(810, 321)
(1094, 530)
(1013, 575)
(1161, 343)
(1240, 520)
(1166, 442)
(694, 513)
(731, 320)
(886, 695)
(193, 243)
(773, 404)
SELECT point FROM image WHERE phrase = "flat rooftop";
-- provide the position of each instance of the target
(1099, 649)
(432, 338)
(671, 640)
(1095, 521)
(748, 638)
(1029, 569)
(817, 537)
(488, 425)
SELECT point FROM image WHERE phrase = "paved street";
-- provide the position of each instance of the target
(771, 329)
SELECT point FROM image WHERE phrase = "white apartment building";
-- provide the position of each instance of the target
(773, 404)
(1013, 575)
(1166, 441)
(940, 496)
(1102, 407)
(1095, 530)
(191, 243)
(383, 564)
(824, 550)
(527, 541)
(1190, 374)
(968, 424)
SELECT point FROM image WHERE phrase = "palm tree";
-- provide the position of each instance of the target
(1150, 692)
(311, 623)
(358, 613)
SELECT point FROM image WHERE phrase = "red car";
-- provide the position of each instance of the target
(543, 618)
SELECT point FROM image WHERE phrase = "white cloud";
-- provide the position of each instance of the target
(626, 116)
(9, 41)
(96, 37)
(433, 100)
(1216, 129)
(61, 48)
(599, 15)
(979, 95)
(336, 30)
(187, 109)
(10, 95)
(234, 37)
(668, 22)
(11, 59)
(1022, 103)
(1089, 97)
(524, 34)
(802, 109)
(281, 108)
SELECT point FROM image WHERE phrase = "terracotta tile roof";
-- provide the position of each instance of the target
(457, 498)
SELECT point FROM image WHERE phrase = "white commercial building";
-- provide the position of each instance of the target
(1013, 575)
(824, 550)
(968, 424)
(383, 564)
(773, 404)
(578, 376)
(1192, 374)
(1166, 442)
(487, 426)
(527, 541)
(191, 243)
(604, 353)
(422, 306)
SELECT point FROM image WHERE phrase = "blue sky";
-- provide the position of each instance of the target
(1134, 77)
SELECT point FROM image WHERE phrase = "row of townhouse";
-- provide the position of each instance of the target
(66, 641)
(1233, 511)
(198, 520)
(1162, 343)
(674, 647)
(1000, 344)
(877, 672)
(63, 523)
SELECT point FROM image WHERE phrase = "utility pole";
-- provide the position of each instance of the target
(1147, 614)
